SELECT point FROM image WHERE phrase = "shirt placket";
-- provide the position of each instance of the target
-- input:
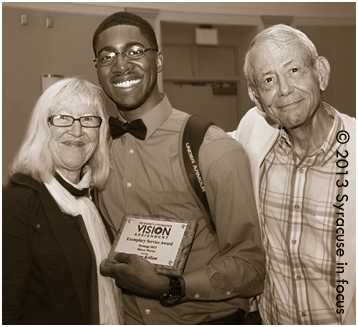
(129, 177)
(298, 277)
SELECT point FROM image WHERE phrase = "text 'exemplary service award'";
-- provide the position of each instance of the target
(165, 242)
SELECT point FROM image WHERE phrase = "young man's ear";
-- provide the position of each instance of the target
(254, 98)
(324, 71)
(159, 62)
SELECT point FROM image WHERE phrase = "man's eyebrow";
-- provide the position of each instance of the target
(107, 48)
(134, 43)
(288, 63)
(269, 72)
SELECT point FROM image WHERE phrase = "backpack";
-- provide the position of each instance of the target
(191, 137)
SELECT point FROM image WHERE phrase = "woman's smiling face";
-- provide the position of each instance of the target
(71, 147)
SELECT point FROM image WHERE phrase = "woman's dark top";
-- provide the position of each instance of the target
(49, 272)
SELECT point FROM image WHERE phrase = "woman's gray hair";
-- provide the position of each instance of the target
(34, 157)
(283, 36)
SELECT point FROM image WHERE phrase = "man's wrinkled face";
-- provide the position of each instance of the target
(286, 87)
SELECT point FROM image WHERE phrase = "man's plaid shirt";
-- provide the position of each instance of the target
(299, 232)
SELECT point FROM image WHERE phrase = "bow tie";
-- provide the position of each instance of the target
(71, 189)
(136, 127)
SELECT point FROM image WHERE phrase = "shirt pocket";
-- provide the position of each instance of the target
(324, 218)
(319, 237)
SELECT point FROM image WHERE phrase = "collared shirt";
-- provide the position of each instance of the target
(146, 179)
(299, 232)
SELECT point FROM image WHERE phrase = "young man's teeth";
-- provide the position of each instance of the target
(127, 83)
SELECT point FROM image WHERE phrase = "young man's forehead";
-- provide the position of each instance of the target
(121, 35)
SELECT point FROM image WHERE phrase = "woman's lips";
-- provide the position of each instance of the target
(77, 144)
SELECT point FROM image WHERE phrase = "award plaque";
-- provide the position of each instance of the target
(164, 242)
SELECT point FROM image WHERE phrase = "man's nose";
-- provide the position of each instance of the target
(285, 86)
(122, 65)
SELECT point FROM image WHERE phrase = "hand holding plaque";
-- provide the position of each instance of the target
(164, 242)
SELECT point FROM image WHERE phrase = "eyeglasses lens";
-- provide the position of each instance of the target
(131, 53)
(67, 121)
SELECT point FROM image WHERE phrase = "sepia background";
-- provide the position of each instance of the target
(202, 75)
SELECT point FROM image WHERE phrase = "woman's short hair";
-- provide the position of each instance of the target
(34, 157)
(283, 36)
(126, 18)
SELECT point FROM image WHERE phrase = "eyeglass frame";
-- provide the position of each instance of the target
(51, 118)
(125, 55)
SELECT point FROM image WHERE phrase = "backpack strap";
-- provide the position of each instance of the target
(192, 135)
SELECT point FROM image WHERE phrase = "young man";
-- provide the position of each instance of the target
(302, 158)
(222, 270)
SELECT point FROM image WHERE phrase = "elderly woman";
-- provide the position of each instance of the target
(53, 236)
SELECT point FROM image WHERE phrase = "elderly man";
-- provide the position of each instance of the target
(302, 161)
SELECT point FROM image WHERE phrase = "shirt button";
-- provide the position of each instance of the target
(298, 277)
(147, 311)
(293, 241)
(129, 184)
(303, 314)
(228, 293)
(38, 226)
(296, 206)
(301, 170)
(197, 295)
(131, 151)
